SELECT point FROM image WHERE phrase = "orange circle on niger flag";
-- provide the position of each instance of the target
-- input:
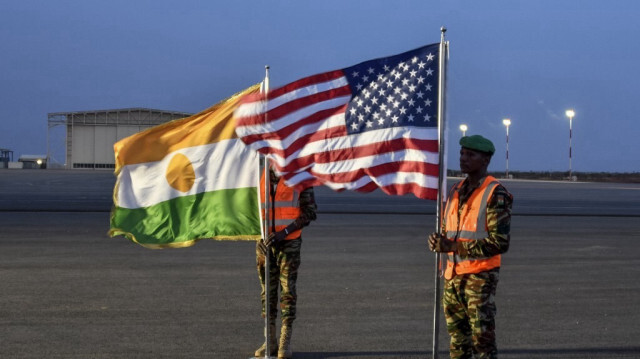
(180, 173)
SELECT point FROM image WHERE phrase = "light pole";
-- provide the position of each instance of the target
(463, 128)
(507, 122)
(570, 113)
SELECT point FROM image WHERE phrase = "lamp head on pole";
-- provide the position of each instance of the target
(570, 113)
(463, 128)
(506, 122)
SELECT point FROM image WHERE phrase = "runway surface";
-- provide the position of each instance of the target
(568, 286)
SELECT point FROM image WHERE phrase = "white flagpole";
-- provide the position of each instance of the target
(267, 257)
(442, 180)
(264, 228)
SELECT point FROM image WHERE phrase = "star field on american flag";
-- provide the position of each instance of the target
(394, 91)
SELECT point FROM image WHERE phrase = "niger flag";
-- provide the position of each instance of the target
(187, 180)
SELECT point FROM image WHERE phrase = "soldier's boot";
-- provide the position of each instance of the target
(284, 350)
(273, 342)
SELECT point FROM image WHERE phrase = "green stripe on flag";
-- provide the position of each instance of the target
(180, 222)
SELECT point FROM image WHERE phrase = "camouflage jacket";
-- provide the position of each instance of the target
(308, 208)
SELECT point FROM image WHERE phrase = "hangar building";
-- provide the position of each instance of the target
(88, 136)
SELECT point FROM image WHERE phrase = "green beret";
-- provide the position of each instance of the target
(477, 143)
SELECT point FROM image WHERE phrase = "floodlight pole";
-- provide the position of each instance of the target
(570, 113)
(507, 122)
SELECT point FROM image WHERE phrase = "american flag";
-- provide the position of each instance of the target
(372, 125)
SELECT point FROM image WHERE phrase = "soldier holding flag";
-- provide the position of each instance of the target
(290, 211)
(475, 232)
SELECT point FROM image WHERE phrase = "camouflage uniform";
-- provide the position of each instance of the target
(469, 299)
(284, 261)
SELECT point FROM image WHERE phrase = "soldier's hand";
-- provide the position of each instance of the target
(275, 238)
(440, 243)
(262, 247)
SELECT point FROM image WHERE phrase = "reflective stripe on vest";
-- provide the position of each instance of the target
(473, 216)
(284, 208)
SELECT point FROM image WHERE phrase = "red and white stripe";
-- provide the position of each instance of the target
(301, 128)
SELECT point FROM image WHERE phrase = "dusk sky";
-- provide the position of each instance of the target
(524, 60)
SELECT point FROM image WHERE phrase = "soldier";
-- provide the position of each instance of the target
(289, 210)
(475, 232)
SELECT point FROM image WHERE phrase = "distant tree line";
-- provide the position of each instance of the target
(619, 177)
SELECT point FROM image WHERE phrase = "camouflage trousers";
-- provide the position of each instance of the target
(470, 310)
(283, 273)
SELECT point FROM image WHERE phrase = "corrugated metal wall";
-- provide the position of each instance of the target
(91, 135)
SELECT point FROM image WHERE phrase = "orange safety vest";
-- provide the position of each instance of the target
(283, 209)
(469, 224)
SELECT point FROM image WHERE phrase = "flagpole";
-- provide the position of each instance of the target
(443, 54)
(267, 203)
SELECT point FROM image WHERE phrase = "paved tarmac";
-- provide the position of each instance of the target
(569, 284)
